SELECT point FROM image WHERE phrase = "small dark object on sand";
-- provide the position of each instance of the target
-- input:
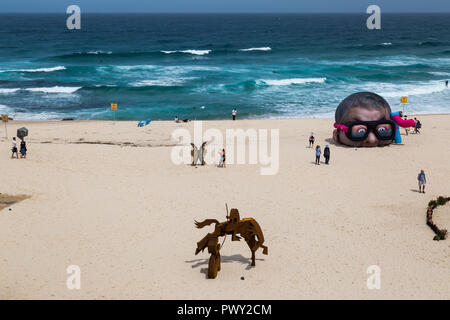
(67, 119)
(242, 278)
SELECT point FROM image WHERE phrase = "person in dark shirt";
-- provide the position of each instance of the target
(23, 149)
(326, 154)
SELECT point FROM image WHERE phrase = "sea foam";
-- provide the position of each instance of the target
(58, 68)
(168, 82)
(4, 109)
(55, 89)
(99, 52)
(287, 82)
(194, 52)
(257, 49)
(389, 90)
(6, 91)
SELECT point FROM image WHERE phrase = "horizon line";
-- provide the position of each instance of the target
(231, 12)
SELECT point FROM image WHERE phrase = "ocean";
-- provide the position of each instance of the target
(159, 66)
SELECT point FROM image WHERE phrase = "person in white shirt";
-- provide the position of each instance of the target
(14, 148)
(233, 113)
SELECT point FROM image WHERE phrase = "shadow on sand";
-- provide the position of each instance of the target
(223, 259)
(7, 200)
(334, 143)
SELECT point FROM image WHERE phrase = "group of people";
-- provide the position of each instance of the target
(23, 149)
(326, 154)
(421, 178)
(417, 126)
(177, 120)
(326, 151)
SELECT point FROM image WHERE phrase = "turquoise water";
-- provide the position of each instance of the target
(267, 66)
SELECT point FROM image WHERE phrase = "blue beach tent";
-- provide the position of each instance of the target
(143, 123)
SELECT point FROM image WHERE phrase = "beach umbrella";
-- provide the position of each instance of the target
(22, 133)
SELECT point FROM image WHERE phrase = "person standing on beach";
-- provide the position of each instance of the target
(326, 154)
(418, 126)
(422, 181)
(14, 148)
(318, 152)
(311, 140)
(23, 149)
(406, 129)
(234, 113)
(222, 159)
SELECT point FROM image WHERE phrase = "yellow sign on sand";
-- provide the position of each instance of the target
(4, 118)
(404, 99)
(113, 106)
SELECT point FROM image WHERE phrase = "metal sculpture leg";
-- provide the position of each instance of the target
(214, 259)
(251, 244)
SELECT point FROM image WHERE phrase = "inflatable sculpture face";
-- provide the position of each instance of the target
(364, 119)
(247, 228)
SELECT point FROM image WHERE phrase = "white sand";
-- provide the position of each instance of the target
(125, 215)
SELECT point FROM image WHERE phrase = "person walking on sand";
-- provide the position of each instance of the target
(422, 181)
(222, 159)
(14, 148)
(311, 140)
(318, 152)
(23, 149)
(326, 154)
(418, 126)
(233, 114)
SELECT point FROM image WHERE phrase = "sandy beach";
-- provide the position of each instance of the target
(105, 196)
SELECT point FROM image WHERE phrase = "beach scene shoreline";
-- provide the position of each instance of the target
(159, 66)
(105, 196)
(249, 157)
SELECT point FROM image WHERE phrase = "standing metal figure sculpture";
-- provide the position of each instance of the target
(247, 228)
(198, 154)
